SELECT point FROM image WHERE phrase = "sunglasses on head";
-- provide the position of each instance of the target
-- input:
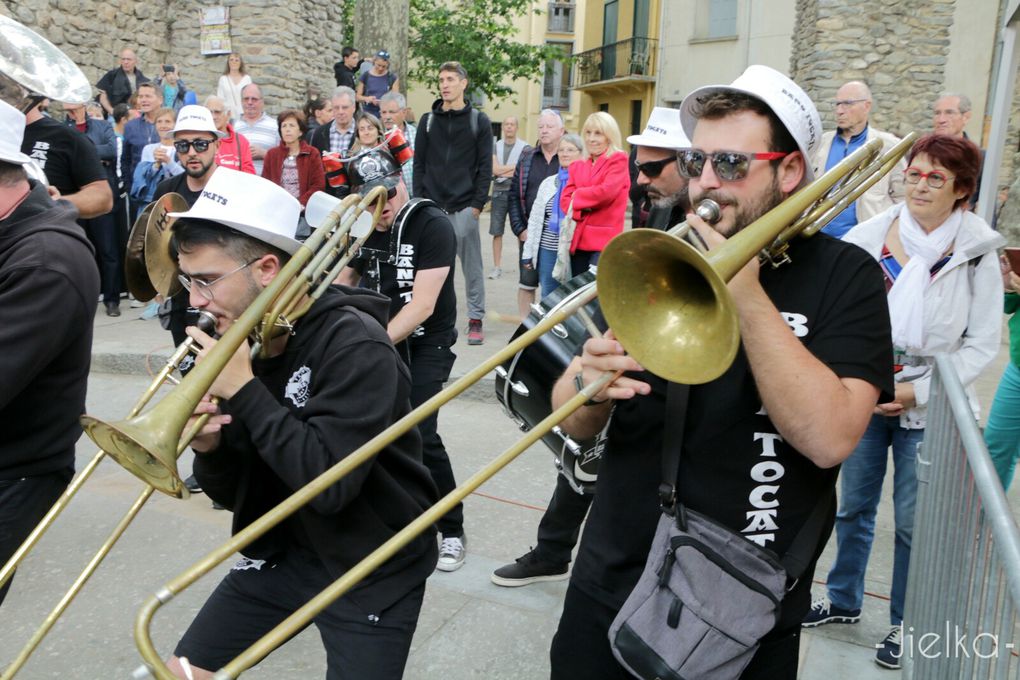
(201, 145)
(728, 166)
(652, 169)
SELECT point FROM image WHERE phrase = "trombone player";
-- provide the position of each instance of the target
(329, 385)
(815, 356)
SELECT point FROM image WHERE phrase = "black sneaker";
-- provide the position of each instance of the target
(529, 568)
(823, 612)
(192, 485)
(890, 649)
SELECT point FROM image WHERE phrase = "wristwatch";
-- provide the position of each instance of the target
(579, 384)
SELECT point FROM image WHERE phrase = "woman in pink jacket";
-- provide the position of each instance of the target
(597, 186)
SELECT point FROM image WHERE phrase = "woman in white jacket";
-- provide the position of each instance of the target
(540, 248)
(944, 285)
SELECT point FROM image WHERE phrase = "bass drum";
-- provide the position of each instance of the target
(524, 383)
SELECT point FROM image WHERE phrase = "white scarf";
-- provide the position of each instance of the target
(906, 297)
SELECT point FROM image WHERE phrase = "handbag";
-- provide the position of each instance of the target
(561, 270)
(707, 595)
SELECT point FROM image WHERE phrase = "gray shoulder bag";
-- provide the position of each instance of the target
(707, 595)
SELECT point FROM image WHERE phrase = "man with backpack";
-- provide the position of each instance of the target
(453, 167)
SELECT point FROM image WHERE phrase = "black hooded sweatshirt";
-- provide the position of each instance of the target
(452, 166)
(338, 383)
(48, 289)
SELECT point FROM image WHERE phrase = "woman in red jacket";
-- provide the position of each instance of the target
(597, 186)
(295, 165)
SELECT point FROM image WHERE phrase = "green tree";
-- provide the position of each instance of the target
(480, 34)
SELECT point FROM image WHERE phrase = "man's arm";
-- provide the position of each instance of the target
(518, 221)
(104, 101)
(92, 200)
(348, 276)
(597, 356)
(424, 294)
(421, 150)
(483, 166)
(818, 413)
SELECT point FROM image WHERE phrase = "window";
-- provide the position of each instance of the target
(556, 84)
(561, 16)
(722, 18)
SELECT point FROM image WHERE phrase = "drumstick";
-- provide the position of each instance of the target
(505, 318)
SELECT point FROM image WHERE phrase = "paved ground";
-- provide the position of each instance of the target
(469, 628)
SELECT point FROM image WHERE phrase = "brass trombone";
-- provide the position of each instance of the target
(327, 251)
(699, 322)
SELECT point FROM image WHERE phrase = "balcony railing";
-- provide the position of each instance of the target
(561, 16)
(631, 58)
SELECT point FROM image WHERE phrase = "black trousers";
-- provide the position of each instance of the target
(257, 595)
(580, 648)
(430, 367)
(23, 502)
(102, 233)
(561, 523)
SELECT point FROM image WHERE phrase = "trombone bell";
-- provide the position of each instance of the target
(668, 306)
(146, 446)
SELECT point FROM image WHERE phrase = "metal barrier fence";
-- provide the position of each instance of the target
(964, 582)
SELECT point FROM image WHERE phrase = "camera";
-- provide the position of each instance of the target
(168, 68)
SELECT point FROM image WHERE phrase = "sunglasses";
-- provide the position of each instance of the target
(652, 169)
(728, 166)
(934, 179)
(201, 145)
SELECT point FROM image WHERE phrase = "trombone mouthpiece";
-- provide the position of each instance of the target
(207, 322)
(709, 211)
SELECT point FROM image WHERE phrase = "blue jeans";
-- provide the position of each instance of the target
(860, 490)
(1002, 434)
(546, 263)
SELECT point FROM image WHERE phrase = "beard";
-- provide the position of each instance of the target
(667, 201)
(198, 174)
(746, 210)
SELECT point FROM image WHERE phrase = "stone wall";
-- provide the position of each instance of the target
(899, 51)
(289, 47)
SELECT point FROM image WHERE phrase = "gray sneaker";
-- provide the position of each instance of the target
(495, 273)
(451, 553)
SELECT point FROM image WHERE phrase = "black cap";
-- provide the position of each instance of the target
(373, 168)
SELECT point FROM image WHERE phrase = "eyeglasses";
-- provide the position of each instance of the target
(205, 288)
(201, 145)
(934, 179)
(846, 102)
(729, 166)
(652, 169)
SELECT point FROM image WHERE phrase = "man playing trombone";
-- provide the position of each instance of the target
(814, 358)
(330, 383)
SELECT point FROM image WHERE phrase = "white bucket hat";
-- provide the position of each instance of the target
(662, 131)
(195, 118)
(12, 132)
(250, 204)
(786, 99)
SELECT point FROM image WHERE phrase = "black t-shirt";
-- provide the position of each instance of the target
(734, 465)
(68, 157)
(178, 184)
(426, 241)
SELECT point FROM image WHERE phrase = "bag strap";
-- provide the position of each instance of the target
(672, 440)
(798, 555)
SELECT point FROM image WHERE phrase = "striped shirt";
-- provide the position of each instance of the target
(262, 132)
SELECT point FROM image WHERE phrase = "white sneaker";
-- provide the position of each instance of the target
(451, 553)
(495, 273)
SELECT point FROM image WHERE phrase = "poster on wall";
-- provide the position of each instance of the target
(215, 33)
